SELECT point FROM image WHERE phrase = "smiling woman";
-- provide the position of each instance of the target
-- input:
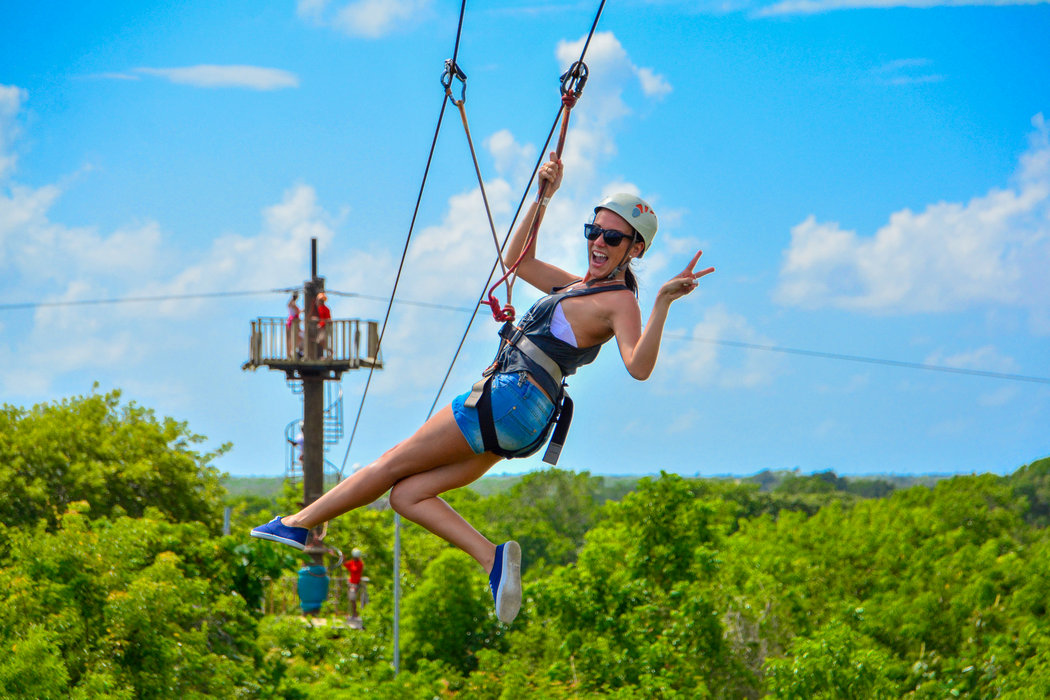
(512, 409)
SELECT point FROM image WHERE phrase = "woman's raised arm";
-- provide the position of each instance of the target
(639, 351)
(536, 272)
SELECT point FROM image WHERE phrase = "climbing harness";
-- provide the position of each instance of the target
(549, 373)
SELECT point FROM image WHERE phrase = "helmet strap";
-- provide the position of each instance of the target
(624, 262)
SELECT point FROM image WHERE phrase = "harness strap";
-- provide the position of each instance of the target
(516, 337)
(488, 427)
(561, 430)
(512, 335)
(560, 419)
(479, 387)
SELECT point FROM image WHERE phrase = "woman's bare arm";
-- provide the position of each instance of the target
(640, 348)
(536, 272)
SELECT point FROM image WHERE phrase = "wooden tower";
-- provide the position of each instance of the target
(312, 358)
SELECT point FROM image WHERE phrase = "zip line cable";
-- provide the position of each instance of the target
(408, 239)
(129, 300)
(860, 358)
(18, 306)
(820, 354)
(497, 263)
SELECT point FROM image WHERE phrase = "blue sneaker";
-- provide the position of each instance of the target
(276, 532)
(505, 581)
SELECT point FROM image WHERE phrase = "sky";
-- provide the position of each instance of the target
(870, 179)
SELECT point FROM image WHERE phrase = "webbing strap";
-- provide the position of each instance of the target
(561, 430)
(476, 392)
(514, 336)
(561, 418)
(486, 422)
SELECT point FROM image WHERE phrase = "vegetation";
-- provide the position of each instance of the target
(115, 582)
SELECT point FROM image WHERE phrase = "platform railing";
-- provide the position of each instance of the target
(350, 343)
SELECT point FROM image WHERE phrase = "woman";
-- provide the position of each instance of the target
(291, 327)
(569, 325)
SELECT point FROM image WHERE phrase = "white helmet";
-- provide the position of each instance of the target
(635, 211)
(356, 553)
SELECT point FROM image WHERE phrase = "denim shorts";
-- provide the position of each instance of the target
(520, 411)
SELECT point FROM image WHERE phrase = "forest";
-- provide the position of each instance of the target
(117, 583)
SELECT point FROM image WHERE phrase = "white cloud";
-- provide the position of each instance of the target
(512, 159)
(653, 84)
(211, 76)
(906, 71)
(11, 99)
(371, 19)
(808, 7)
(702, 361)
(993, 249)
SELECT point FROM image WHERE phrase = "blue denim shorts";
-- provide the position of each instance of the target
(520, 411)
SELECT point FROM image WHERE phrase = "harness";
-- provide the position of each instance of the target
(561, 417)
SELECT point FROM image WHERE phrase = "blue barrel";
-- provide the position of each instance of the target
(313, 588)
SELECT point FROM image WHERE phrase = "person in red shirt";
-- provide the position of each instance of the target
(323, 316)
(354, 567)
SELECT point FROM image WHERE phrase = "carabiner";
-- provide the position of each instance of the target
(453, 71)
(573, 80)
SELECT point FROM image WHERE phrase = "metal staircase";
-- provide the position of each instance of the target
(333, 433)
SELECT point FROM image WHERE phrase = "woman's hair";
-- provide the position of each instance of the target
(630, 280)
(628, 274)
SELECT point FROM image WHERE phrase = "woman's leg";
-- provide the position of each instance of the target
(416, 498)
(438, 442)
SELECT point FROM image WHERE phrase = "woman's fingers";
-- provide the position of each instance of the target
(688, 272)
(692, 264)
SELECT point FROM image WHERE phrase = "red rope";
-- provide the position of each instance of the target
(506, 312)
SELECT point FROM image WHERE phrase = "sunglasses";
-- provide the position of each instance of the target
(612, 236)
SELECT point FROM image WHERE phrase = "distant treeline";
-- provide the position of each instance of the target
(614, 488)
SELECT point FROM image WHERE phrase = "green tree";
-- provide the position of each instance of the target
(449, 614)
(636, 611)
(119, 459)
(835, 664)
(123, 608)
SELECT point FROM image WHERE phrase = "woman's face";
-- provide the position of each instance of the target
(601, 257)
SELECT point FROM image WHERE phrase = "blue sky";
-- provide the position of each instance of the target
(870, 178)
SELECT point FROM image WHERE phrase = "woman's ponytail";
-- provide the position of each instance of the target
(630, 280)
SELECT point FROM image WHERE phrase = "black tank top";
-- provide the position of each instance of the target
(536, 325)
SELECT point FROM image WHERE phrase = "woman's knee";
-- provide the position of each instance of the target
(403, 497)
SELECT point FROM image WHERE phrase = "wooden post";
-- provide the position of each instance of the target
(313, 400)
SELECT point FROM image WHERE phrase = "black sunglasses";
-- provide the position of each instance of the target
(612, 236)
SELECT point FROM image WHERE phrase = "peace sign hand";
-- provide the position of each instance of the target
(684, 282)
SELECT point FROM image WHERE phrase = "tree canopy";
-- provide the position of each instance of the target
(115, 583)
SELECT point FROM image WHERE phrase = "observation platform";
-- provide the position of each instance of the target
(349, 344)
